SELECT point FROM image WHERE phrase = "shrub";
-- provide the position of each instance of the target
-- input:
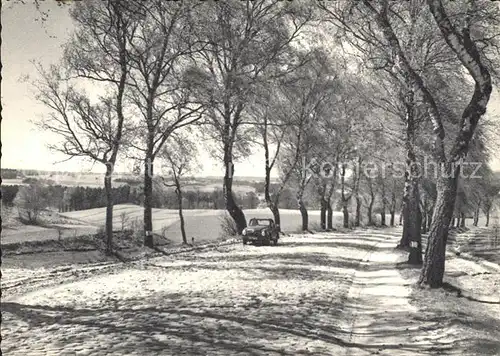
(315, 226)
(9, 193)
(30, 180)
(30, 201)
(101, 231)
(129, 181)
(9, 173)
(228, 225)
(124, 218)
(136, 226)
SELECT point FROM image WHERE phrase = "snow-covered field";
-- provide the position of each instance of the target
(321, 294)
(202, 224)
(167, 217)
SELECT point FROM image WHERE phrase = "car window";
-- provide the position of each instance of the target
(253, 222)
(264, 222)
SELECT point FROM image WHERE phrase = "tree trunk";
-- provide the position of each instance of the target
(424, 223)
(276, 215)
(424, 215)
(344, 199)
(405, 240)
(392, 208)
(357, 218)
(434, 263)
(414, 225)
(330, 191)
(401, 214)
(462, 220)
(382, 214)
(324, 207)
(178, 192)
(109, 210)
(369, 213)
(345, 212)
(372, 202)
(329, 210)
(412, 222)
(232, 208)
(476, 215)
(487, 218)
(148, 201)
(272, 204)
(303, 213)
(357, 179)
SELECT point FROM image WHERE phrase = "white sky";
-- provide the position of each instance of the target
(23, 40)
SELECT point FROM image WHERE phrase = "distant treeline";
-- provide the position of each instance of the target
(65, 198)
(9, 173)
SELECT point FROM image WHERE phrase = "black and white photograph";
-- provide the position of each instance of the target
(250, 177)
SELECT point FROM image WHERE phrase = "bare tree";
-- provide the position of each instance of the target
(271, 124)
(309, 96)
(466, 50)
(488, 191)
(179, 156)
(159, 91)
(91, 129)
(244, 44)
(280, 117)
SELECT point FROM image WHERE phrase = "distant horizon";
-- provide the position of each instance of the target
(124, 173)
(140, 175)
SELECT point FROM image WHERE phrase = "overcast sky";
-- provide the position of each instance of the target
(25, 39)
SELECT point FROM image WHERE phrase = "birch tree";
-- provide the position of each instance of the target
(466, 49)
(244, 44)
(469, 46)
(179, 159)
(159, 91)
(95, 55)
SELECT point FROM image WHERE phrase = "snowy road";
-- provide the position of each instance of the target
(322, 294)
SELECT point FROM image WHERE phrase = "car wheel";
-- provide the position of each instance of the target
(245, 241)
(275, 241)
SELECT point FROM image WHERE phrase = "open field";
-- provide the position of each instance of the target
(203, 225)
(54, 227)
(26, 233)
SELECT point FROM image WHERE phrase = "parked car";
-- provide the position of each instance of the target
(261, 231)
